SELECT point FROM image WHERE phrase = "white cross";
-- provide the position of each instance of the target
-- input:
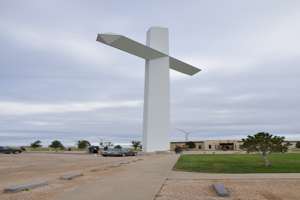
(156, 120)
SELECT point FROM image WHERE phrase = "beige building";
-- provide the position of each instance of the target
(214, 145)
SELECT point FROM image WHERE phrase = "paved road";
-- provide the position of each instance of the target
(139, 182)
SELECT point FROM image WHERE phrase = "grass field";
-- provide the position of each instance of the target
(239, 163)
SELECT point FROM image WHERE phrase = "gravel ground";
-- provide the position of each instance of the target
(259, 189)
(30, 167)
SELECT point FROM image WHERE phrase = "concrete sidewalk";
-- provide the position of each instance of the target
(140, 181)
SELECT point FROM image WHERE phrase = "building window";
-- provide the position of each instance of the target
(199, 147)
(209, 146)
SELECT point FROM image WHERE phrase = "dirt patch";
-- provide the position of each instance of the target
(270, 196)
(263, 189)
(31, 167)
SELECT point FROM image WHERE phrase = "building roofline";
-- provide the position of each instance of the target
(221, 141)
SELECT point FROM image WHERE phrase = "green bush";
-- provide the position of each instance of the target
(83, 144)
(298, 145)
(36, 144)
(56, 144)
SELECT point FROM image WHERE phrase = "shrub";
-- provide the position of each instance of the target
(83, 144)
(36, 144)
(56, 144)
(136, 144)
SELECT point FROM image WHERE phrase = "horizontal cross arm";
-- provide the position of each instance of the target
(183, 67)
(130, 46)
(133, 47)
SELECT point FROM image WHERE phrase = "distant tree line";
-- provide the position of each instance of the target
(83, 144)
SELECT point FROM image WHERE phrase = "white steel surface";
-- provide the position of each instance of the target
(157, 82)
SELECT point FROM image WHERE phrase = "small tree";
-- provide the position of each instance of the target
(118, 147)
(136, 144)
(36, 144)
(298, 145)
(83, 144)
(190, 145)
(265, 144)
(56, 144)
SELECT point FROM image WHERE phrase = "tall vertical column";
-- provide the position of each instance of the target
(157, 94)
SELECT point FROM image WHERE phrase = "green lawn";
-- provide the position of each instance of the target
(239, 163)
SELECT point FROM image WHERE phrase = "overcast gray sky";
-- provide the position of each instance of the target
(56, 81)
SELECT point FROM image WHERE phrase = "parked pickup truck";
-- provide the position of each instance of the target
(8, 150)
(119, 152)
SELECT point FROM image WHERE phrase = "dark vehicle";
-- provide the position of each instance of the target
(178, 149)
(94, 149)
(9, 150)
(119, 152)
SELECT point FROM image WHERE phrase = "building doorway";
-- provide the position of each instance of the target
(227, 146)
